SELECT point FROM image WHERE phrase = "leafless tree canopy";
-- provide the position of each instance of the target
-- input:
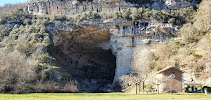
(16, 72)
(141, 59)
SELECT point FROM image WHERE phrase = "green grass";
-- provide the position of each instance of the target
(104, 96)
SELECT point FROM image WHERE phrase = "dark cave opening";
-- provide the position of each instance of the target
(92, 67)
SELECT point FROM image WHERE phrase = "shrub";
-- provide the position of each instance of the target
(70, 87)
(58, 24)
(26, 48)
(16, 71)
(172, 91)
(46, 59)
(9, 48)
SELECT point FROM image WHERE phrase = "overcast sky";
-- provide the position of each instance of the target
(2, 2)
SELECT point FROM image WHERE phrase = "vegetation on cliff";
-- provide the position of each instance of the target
(26, 61)
(26, 46)
(193, 50)
(175, 18)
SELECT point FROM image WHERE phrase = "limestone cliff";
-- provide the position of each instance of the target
(99, 53)
(71, 7)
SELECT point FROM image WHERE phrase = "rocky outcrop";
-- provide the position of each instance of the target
(159, 6)
(99, 53)
(177, 4)
(127, 37)
(71, 7)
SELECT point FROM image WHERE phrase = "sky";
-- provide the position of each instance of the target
(2, 2)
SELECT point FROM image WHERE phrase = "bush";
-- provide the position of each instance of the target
(70, 87)
(58, 24)
(15, 73)
(26, 48)
(49, 44)
(172, 91)
(17, 16)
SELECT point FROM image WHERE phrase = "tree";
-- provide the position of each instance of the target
(141, 62)
(16, 71)
(58, 24)
(171, 21)
(126, 14)
(135, 14)
(203, 15)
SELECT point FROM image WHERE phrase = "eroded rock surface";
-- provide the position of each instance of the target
(99, 55)
(71, 7)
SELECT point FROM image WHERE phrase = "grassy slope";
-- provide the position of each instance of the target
(193, 51)
(103, 96)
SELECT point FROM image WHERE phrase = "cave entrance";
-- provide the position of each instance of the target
(92, 67)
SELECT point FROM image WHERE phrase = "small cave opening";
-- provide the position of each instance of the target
(92, 68)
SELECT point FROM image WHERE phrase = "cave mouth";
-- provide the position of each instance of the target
(92, 67)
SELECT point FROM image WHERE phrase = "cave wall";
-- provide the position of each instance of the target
(79, 52)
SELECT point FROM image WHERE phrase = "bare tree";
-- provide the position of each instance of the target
(203, 22)
(141, 60)
(15, 72)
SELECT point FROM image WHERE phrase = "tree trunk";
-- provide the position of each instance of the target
(157, 88)
(139, 88)
(136, 88)
(143, 87)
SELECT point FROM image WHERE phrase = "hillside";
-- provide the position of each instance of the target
(193, 49)
(52, 48)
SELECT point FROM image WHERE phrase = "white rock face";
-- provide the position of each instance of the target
(177, 4)
(71, 7)
(127, 37)
(123, 62)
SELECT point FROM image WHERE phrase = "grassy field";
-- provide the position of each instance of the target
(103, 96)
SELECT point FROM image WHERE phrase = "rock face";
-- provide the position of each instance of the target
(100, 52)
(79, 53)
(159, 6)
(127, 37)
(71, 7)
(177, 4)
